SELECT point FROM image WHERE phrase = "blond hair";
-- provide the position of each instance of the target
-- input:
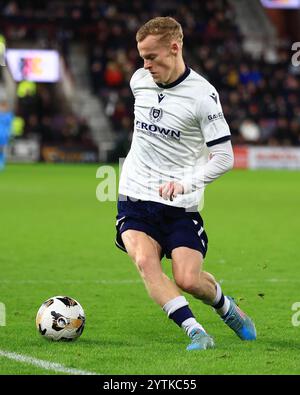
(166, 27)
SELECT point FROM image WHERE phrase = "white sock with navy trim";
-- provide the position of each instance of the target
(175, 304)
(177, 309)
(221, 303)
(190, 324)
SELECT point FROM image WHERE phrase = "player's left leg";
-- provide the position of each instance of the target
(188, 275)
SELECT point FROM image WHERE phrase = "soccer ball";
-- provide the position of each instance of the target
(60, 318)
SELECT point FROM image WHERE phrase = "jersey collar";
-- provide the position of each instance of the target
(176, 82)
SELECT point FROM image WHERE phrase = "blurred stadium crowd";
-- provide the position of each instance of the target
(38, 113)
(260, 97)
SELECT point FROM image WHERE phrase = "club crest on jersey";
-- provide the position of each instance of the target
(156, 114)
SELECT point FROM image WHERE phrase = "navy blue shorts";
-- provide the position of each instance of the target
(171, 227)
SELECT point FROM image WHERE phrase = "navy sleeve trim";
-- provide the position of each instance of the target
(218, 141)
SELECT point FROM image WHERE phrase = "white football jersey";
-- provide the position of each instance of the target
(173, 126)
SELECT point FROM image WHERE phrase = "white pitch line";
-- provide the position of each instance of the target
(40, 363)
(119, 282)
(267, 280)
(103, 282)
(128, 281)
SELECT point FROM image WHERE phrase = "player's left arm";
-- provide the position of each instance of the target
(220, 161)
(217, 136)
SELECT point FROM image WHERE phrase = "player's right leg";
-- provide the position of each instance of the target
(146, 254)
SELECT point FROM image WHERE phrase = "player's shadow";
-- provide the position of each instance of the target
(99, 342)
(274, 345)
(106, 343)
(132, 343)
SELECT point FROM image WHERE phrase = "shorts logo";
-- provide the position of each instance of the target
(156, 114)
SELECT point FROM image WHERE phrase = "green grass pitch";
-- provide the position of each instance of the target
(57, 238)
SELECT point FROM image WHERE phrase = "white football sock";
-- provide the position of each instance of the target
(190, 324)
(223, 309)
(175, 304)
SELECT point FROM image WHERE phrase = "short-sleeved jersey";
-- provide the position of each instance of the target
(173, 126)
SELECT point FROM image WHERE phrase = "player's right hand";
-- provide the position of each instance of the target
(170, 190)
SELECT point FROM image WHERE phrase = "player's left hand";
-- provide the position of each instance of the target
(170, 190)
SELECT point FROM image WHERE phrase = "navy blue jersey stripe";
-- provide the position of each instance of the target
(218, 141)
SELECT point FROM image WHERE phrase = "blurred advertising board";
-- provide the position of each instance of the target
(61, 154)
(33, 64)
(281, 3)
(241, 157)
(248, 157)
(21, 150)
